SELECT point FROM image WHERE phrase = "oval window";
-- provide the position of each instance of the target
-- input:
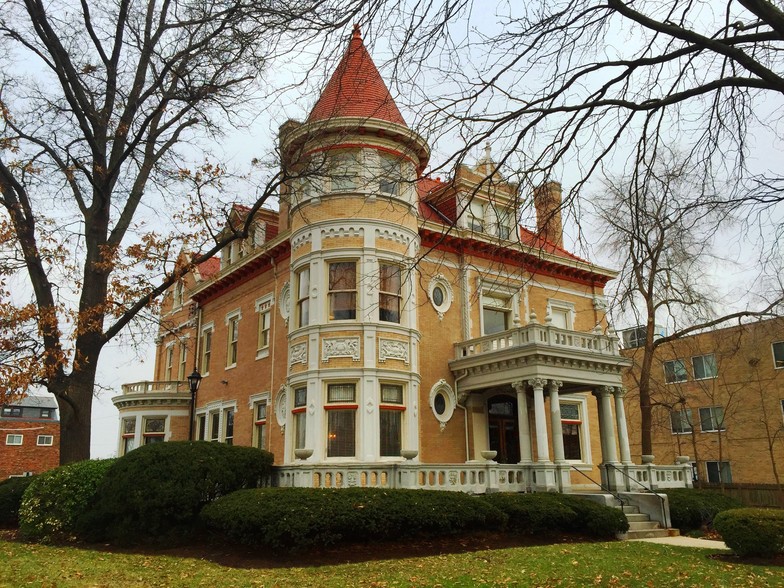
(438, 296)
(439, 403)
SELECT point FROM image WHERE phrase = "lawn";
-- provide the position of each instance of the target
(572, 564)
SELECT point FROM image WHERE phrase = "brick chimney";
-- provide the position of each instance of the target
(547, 200)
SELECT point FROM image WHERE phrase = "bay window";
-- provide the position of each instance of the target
(303, 297)
(300, 414)
(341, 411)
(389, 296)
(342, 291)
(391, 419)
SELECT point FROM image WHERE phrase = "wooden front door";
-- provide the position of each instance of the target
(503, 429)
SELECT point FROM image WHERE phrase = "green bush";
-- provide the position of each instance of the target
(155, 493)
(541, 514)
(54, 500)
(303, 517)
(752, 531)
(11, 491)
(695, 509)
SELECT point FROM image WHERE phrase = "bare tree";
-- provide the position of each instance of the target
(96, 101)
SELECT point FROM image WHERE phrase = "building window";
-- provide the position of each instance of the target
(215, 426)
(476, 216)
(341, 420)
(46, 413)
(14, 439)
(233, 338)
(389, 296)
(675, 371)
(206, 350)
(259, 234)
(778, 355)
(389, 178)
(505, 222)
(264, 309)
(342, 290)
(571, 425)
(178, 294)
(167, 375)
(128, 435)
(181, 369)
(154, 430)
(264, 330)
(718, 472)
(228, 426)
(680, 421)
(260, 424)
(391, 415)
(704, 366)
(712, 419)
(300, 412)
(45, 440)
(12, 411)
(303, 297)
(343, 172)
(560, 314)
(202, 427)
(495, 314)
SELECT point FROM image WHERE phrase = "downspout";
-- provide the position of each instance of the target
(465, 412)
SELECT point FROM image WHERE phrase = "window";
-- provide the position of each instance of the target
(476, 216)
(154, 430)
(303, 297)
(505, 222)
(344, 172)
(342, 290)
(560, 313)
(440, 294)
(391, 415)
(778, 355)
(178, 294)
(712, 419)
(495, 314)
(12, 411)
(228, 426)
(299, 412)
(571, 424)
(259, 234)
(181, 370)
(167, 374)
(341, 420)
(704, 366)
(45, 440)
(680, 421)
(264, 330)
(215, 426)
(389, 179)
(13, 439)
(128, 435)
(233, 338)
(389, 293)
(718, 472)
(202, 427)
(46, 413)
(260, 424)
(206, 350)
(674, 371)
(264, 308)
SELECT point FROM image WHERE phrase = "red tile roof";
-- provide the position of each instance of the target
(356, 89)
(209, 268)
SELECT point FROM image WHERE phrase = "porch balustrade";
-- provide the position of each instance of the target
(150, 387)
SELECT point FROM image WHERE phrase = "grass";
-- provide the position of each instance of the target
(574, 564)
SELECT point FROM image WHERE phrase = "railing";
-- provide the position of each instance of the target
(536, 334)
(662, 500)
(149, 387)
(659, 476)
(601, 486)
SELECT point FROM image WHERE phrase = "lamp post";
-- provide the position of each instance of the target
(193, 383)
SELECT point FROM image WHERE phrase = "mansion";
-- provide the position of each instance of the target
(386, 328)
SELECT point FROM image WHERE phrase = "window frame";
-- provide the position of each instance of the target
(396, 408)
(722, 467)
(50, 444)
(46, 413)
(233, 319)
(207, 332)
(718, 423)
(264, 325)
(675, 379)
(689, 421)
(182, 367)
(389, 294)
(158, 436)
(504, 308)
(476, 211)
(334, 411)
(260, 419)
(128, 435)
(12, 411)
(302, 299)
(168, 363)
(334, 294)
(778, 358)
(12, 437)
(299, 416)
(344, 171)
(715, 366)
(178, 295)
(389, 165)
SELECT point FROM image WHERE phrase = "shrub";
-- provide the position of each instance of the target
(695, 509)
(11, 491)
(155, 492)
(752, 531)
(54, 500)
(303, 517)
(540, 514)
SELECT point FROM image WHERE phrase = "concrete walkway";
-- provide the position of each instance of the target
(687, 542)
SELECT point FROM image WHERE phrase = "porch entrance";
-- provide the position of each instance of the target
(502, 427)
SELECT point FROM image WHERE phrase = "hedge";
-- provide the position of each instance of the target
(752, 531)
(695, 509)
(55, 500)
(294, 518)
(155, 493)
(11, 491)
(541, 514)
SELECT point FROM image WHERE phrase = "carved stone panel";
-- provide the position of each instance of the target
(392, 349)
(298, 353)
(340, 347)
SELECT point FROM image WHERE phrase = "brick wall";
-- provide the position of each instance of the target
(28, 457)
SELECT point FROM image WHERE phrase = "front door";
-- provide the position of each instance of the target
(503, 430)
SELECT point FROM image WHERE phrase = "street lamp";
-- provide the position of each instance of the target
(193, 383)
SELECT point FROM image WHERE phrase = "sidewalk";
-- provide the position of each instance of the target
(687, 542)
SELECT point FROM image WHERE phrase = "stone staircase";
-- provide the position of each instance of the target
(642, 527)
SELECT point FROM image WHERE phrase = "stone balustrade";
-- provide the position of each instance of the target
(153, 387)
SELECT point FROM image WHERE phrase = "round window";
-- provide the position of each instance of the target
(438, 296)
(439, 404)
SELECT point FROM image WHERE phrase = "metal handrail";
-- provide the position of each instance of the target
(649, 489)
(608, 490)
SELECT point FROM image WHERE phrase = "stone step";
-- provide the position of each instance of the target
(626, 508)
(632, 517)
(645, 534)
(643, 525)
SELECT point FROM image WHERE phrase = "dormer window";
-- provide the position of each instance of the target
(178, 293)
(476, 216)
(259, 234)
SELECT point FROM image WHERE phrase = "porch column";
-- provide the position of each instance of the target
(623, 432)
(542, 445)
(523, 425)
(606, 426)
(555, 421)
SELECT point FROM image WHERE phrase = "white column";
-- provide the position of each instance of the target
(555, 421)
(607, 427)
(623, 432)
(540, 421)
(523, 424)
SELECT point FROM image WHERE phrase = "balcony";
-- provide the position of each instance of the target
(172, 392)
(539, 351)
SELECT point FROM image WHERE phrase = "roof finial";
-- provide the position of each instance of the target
(356, 34)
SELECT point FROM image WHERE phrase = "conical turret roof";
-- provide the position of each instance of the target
(356, 89)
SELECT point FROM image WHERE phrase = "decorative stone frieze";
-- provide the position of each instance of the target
(340, 347)
(392, 349)
(298, 353)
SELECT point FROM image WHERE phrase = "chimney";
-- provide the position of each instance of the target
(547, 200)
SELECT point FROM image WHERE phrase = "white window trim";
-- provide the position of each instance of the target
(206, 327)
(694, 370)
(51, 441)
(10, 435)
(773, 354)
(264, 304)
(554, 304)
(689, 416)
(664, 368)
(168, 361)
(383, 406)
(220, 407)
(497, 291)
(443, 388)
(722, 426)
(230, 316)
(440, 281)
(183, 364)
(585, 432)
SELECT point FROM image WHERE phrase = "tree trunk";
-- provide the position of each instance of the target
(75, 400)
